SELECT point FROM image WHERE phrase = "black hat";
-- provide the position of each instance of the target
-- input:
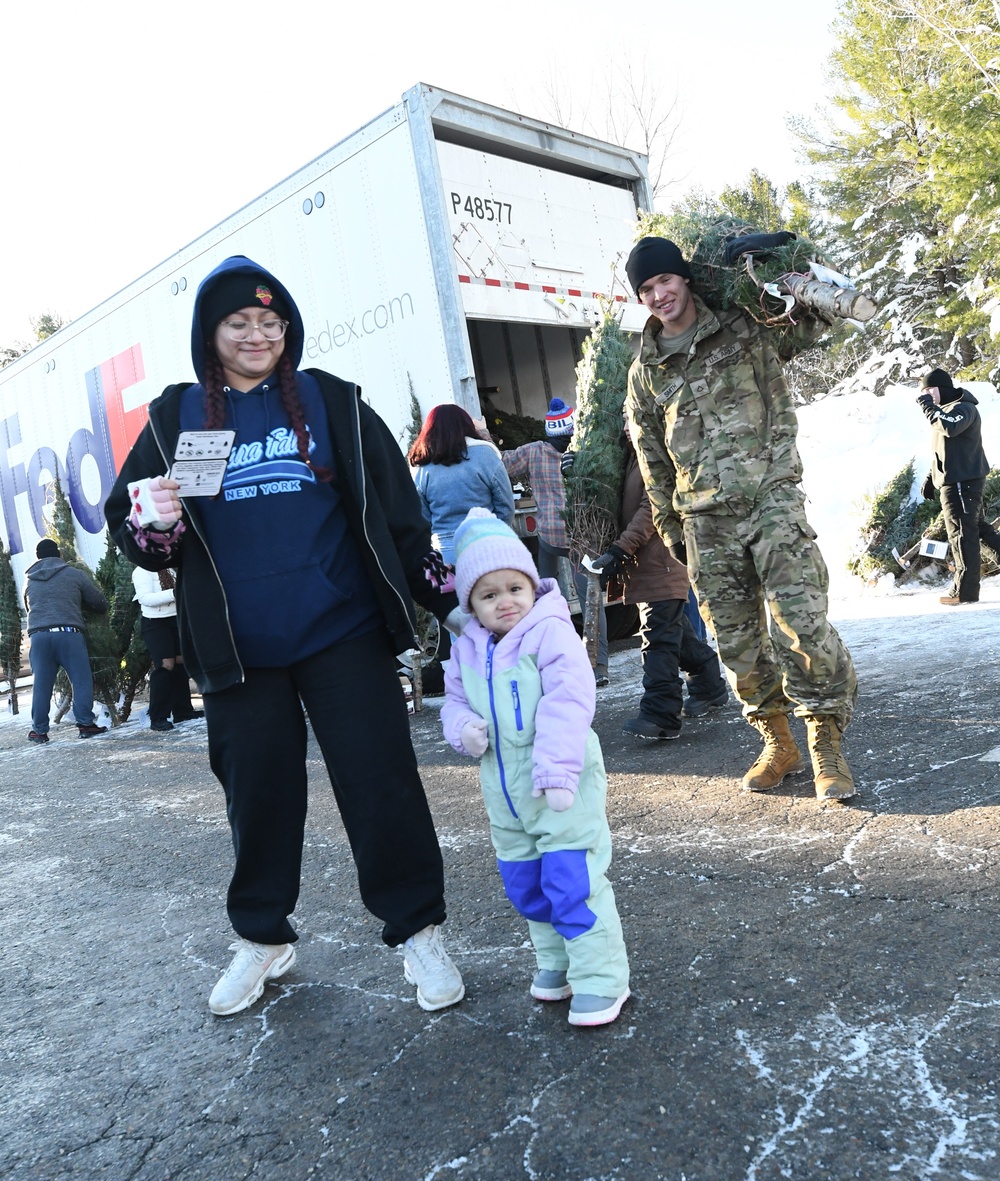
(46, 548)
(231, 292)
(654, 256)
(939, 379)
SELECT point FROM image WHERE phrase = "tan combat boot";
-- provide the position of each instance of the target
(831, 773)
(780, 756)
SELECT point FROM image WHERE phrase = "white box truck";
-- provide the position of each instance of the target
(443, 248)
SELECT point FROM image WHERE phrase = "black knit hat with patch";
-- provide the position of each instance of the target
(942, 381)
(654, 256)
(230, 293)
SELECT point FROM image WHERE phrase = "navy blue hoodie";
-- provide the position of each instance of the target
(290, 567)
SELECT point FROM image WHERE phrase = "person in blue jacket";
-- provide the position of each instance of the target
(455, 470)
(295, 589)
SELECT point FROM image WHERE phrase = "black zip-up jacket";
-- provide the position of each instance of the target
(957, 432)
(383, 513)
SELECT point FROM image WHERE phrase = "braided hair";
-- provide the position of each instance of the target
(214, 385)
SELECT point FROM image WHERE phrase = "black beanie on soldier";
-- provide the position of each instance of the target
(939, 379)
(654, 256)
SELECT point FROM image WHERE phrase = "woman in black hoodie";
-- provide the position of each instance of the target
(295, 588)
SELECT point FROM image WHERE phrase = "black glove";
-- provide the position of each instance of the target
(678, 551)
(927, 489)
(748, 243)
(609, 564)
(566, 462)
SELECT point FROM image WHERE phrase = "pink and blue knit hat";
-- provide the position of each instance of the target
(483, 543)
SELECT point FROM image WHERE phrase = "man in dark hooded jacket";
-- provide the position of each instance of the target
(959, 473)
(55, 595)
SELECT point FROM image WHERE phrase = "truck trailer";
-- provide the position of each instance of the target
(446, 249)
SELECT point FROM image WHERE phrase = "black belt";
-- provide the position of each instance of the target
(54, 629)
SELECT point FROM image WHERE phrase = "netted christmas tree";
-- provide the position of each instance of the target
(772, 277)
(594, 483)
(10, 627)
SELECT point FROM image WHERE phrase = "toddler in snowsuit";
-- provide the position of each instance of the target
(520, 693)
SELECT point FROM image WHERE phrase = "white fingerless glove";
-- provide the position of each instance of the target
(475, 737)
(154, 507)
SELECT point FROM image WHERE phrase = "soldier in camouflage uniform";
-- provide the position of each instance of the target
(716, 438)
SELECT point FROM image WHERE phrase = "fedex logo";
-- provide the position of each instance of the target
(107, 440)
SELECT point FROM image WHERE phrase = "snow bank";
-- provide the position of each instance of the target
(852, 446)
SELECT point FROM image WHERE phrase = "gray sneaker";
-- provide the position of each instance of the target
(427, 965)
(550, 985)
(586, 1009)
(243, 981)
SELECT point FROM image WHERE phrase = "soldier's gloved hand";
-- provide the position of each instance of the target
(609, 563)
(475, 737)
(755, 243)
(678, 551)
(566, 462)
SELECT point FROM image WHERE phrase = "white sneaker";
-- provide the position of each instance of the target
(243, 981)
(426, 964)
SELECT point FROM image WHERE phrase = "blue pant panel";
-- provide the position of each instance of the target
(522, 881)
(552, 890)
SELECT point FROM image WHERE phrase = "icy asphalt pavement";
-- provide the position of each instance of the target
(816, 989)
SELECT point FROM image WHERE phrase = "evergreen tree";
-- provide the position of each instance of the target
(10, 627)
(63, 525)
(118, 656)
(909, 177)
(594, 483)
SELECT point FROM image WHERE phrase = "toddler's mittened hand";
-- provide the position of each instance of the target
(559, 799)
(475, 737)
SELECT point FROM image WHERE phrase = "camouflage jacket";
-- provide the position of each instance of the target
(717, 428)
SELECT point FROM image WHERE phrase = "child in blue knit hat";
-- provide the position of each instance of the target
(520, 693)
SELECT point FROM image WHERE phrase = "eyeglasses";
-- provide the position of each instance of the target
(238, 330)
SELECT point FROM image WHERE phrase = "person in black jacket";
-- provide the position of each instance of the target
(295, 588)
(959, 473)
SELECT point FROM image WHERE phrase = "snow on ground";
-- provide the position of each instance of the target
(852, 447)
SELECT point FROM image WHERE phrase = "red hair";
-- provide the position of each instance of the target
(215, 405)
(442, 437)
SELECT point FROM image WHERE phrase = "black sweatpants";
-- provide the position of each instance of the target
(257, 747)
(967, 528)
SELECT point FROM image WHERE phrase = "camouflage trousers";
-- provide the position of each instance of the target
(763, 584)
